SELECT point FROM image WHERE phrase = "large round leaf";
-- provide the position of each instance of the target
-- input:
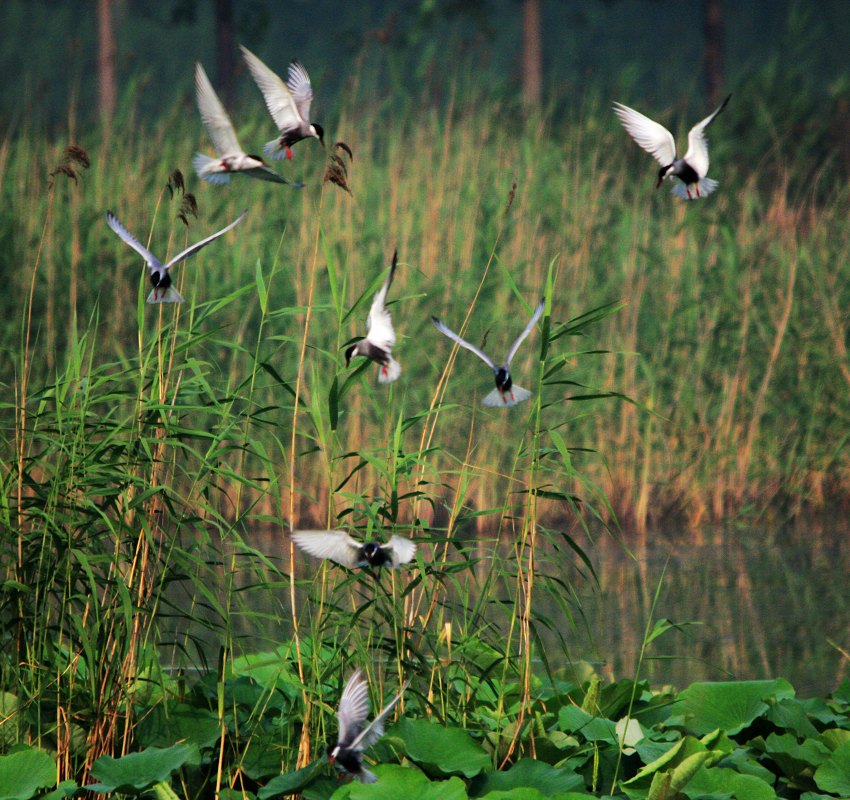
(719, 781)
(440, 750)
(531, 774)
(397, 783)
(730, 706)
(292, 782)
(534, 794)
(572, 719)
(834, 775)
(139, 771)
(22, 774)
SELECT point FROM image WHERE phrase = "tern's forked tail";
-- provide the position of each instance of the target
(499, 399)
(274, 149)
(207, 170)
(695, 191)
(169, 295)
(388, 372)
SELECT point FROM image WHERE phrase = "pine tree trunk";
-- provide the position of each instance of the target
(107, 92)
(532, 54)
(713, 29)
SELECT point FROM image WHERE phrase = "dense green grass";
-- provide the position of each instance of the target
(691, 360)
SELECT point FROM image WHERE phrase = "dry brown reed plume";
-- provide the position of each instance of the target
(336, 171)
(73, 158)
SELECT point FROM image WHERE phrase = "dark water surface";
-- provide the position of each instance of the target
(768, 603)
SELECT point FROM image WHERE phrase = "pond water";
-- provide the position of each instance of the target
(767, 603)
(770, 604)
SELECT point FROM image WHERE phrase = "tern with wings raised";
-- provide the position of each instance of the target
(692, 168)
(353, 738)
(380, 335)
(506, 393)
(288, 103)
(163, 291)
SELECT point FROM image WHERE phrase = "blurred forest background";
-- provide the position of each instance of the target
(653, 51)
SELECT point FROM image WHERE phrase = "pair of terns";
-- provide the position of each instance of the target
(353, 738)
(289, 105)
(380, 339)
(692, 168)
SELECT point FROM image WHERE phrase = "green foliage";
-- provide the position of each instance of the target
(438, 750)
(755, 761)
(24, 773)
(138, 772)
(152, 463)
(731, 706)
(833, 775)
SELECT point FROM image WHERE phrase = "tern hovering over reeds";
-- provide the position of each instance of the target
(288, 103)
(506, 393)
(340, 547)
(232, 159)
(658, 142)
(163, 291)
(353, 738)
(380, 336)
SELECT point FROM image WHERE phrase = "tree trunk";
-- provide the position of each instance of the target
(107, 93)
(532, 54)
(225, 49)
(713, 29)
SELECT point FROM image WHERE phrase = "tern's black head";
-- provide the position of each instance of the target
(663, 173)
(320, 132)
(349, 353)
(348, 760)
(503, 380)
(374, 555)
(160, 280)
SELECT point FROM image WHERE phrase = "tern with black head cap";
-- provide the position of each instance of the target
(288, 103)
(163, 291)
(380, 335)
(232, 159)
(506, 393)
(691, 169)
(353, 738)
(338, 546)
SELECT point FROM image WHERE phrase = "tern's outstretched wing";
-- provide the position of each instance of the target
(336, 545)
(379, 323)
(301, 88)
(190, 251)
(515, 346)
(400, 550)
(279, 100)
(353, 710)
(375, 729)
(463, 343)
(697, 155)
(650, 135)
(215, 119)
(150, 259)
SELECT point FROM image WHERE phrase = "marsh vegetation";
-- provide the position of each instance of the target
(690, 365)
